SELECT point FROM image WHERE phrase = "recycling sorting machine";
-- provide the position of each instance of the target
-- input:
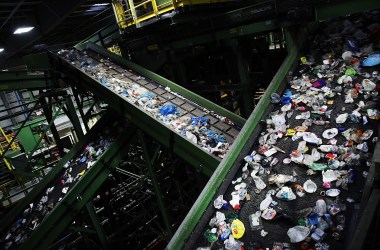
(239, 133)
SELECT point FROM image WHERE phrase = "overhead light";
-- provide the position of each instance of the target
(1, 50)
(100, 4)
(23, 30)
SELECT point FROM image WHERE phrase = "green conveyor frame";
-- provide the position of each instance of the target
(65, 211)
(189, 230)
(176, 143)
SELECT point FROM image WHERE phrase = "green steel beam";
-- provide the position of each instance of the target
(6, 221)
(204, 199)
(174, 87)
(150, 165)
(96, 223)
(72, 114)
(164, 135)
(341, 8)
(367, 219)
(79, 195)
(48, 112)
(243, 68)
(13, 80)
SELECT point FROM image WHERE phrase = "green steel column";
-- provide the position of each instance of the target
(74, 117)
(95, 221)
(242, 63)
(80, 108)
(53, 129)
(155, 183)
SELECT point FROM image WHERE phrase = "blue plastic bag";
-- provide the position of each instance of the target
(168, 110)
(286, 100)
(202, 121)
(149, 95)
(287, 93)
(372, 60)
(215, 136)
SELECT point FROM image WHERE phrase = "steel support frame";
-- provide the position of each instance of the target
(50, 116)
(246, 106)
(42, 185)
(96, 223)
(79, 195)
(149, 161)
(72, 114)
(211, 189)
(80, 103)
(48, 112)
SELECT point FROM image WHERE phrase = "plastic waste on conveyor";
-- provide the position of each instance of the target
(67, 178)
(200, 126)
(300, 185)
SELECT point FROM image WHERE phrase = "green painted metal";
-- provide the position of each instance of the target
(365, 222)
(220, 173)
(247, 96)
(27, 138)
(161, 80)
(342, 8)
(156, 185)
(14, 80)
(96, 223)
(74, 117)
(79, 195)
(167, 137)
(42, 185)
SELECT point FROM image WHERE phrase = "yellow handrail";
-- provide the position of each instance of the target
(124, 13)
(14, 145)
(9, 166)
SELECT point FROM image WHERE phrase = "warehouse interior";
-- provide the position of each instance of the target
(189, 124)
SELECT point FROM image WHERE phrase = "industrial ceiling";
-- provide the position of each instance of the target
(56, 24)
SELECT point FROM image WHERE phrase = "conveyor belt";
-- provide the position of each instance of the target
(191, 235)
(52, 205)
(131, 90)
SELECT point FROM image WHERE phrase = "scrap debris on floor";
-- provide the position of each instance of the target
(207, 129)
(71, 173)
(303, 181)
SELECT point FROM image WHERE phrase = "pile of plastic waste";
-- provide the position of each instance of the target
(71, 173)
(309, 165)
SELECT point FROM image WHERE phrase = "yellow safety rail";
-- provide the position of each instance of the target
(9, 166)
(14, 145)
(133, 12)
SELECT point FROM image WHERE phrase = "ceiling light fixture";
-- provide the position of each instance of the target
(23, 30)
(1, 50)
(100, 4)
